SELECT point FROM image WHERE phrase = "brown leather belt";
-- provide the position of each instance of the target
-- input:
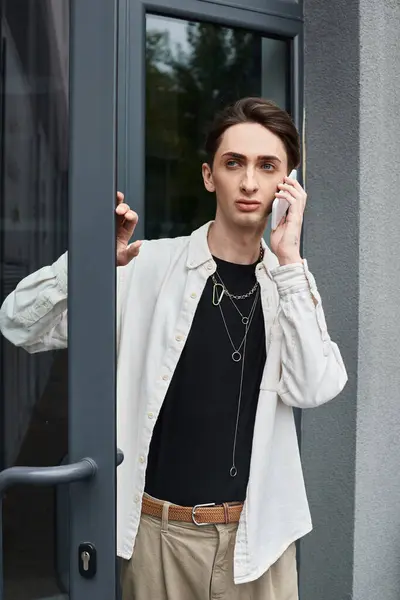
(201, 514)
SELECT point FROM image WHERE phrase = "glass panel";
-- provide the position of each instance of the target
(33, 233)
(193, 70)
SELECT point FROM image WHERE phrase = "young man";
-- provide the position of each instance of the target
(218, 339)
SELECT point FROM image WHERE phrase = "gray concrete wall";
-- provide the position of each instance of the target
(377, 515)
(350, 448)
(331, 244)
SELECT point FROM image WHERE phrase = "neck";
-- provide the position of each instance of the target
(240, 247)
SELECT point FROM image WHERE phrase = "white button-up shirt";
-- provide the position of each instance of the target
(157, 295)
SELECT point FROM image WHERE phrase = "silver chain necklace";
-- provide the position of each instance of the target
(219, 297)
(224, 290)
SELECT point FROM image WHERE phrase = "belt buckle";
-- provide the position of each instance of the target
(194, 513)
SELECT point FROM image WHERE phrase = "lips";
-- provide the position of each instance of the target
(247, 205)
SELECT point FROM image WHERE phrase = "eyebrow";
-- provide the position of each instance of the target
(262, 157)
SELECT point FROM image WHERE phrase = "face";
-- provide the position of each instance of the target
(248, 165)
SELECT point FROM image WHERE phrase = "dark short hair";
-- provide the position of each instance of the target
(256, 110)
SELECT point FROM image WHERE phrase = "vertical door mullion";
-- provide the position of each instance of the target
(91, 304)
(135, 111)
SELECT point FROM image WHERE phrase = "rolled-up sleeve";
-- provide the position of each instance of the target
(34, 315)
(312, 368)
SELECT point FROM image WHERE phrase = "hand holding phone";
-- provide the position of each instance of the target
(280, 206)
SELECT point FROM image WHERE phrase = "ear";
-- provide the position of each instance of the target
(208, 177)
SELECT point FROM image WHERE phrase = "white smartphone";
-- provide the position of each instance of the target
(280, 206)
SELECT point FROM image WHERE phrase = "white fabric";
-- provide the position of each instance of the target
(157, 294)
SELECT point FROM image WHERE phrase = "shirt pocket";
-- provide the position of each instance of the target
(273, 365)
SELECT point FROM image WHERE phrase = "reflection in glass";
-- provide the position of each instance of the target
(193, 70)
(33, 233)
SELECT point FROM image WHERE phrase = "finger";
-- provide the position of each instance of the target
(296, 189)
(131, 216)
(294, 183)
(130, 221)
(133, 249)
(296, 204)
(282, 222)
(126, 217)
(125, 256)
(289, 188)
(286, 196)
(122, 209)
(120, 197)
(280, 227)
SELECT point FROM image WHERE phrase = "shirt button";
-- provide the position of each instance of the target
(142, 459)
(137, 498)
(165, 377)
(179, 338)
(193, 295)
(150, 415)
(210, 267)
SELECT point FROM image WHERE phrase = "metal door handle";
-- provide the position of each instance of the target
(84, 469)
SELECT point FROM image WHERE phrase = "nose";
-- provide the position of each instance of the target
(249, 184)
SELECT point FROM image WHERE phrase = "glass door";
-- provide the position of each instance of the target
(58, 454)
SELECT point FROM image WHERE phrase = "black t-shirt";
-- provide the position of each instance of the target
(191, 450)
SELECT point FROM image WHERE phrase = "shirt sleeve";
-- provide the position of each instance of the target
(34, 315)
(312, 368)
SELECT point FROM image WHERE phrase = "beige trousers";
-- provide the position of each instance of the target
(180, 561)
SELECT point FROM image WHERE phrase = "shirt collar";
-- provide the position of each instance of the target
(199, 252)
(269, 261)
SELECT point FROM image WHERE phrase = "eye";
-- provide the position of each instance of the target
(267, 167)
(232, 163)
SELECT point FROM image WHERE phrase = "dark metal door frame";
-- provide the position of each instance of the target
(92, 283)
(91, 302)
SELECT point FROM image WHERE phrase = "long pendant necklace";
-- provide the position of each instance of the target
(237, 356)
(233, 470)
(219, 291)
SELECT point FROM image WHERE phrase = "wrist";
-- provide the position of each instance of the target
(290, 260)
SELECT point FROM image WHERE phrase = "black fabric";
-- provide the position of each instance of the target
(191, 449)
